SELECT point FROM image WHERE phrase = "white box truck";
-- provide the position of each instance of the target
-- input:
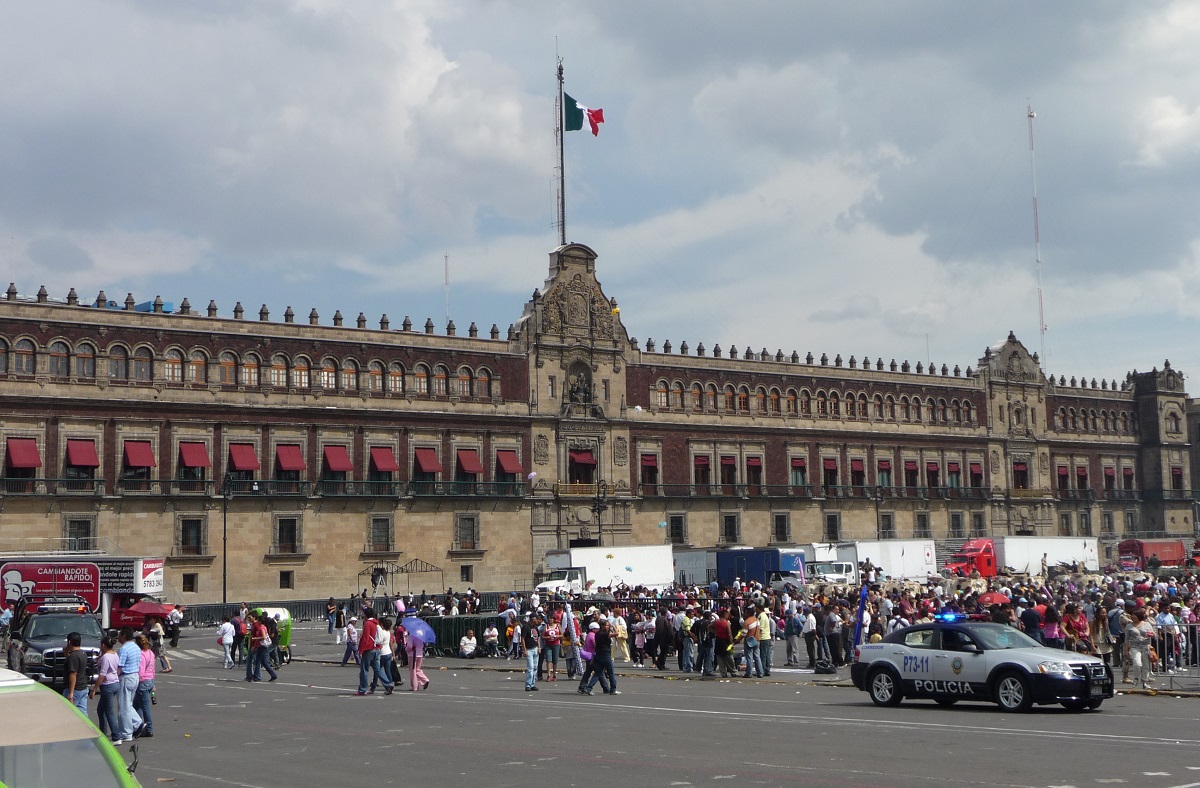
(695, 566)
(583, 570)
(898, 559)
(1023, 555)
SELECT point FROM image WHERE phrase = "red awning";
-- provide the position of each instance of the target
(910, 465)
(243, 457)
(649, 460)
(508, 462)
(1062, 470)
(700, 460)
(1177, 471)
(1019, 466)
(885, 465)
(194, 455)
(1128, 471)
(468, 460)
(799, 462)
(139, 454)
(582, 456)
(82, 454)
(1081, 470)
(856, 465)
(427, 460)
(23, 453)
(383, 459)
(931, 466)
(977, 468)
(337, 459)
(289, 457)
(830, 465)
(729, 460)
(952, 467)
(754, 462)
(1109, 472)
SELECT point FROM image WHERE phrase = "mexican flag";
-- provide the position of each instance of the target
(573, 113)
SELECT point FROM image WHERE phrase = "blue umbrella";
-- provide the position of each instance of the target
(418, 630)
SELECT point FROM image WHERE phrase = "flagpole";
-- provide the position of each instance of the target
(562, 174)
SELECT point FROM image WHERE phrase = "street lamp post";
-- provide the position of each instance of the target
(599, 506)
(226, 495)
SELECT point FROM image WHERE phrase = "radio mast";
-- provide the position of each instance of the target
(1037, 242)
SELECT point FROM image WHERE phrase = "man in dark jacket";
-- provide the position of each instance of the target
(664, 635)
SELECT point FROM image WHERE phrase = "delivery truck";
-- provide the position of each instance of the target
(1022, 555)
(766, 565)
(110, 585)
(583, 570)
(897, 559)
(695, 566)
(1135, 555)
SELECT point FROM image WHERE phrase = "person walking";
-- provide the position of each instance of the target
(339, 625)
(723, 644)
(108, 688)
(1139, 635)
(368, 650)
(174, 623)
(75, 672)
(239, 637)
(351, 642)
(129, 660)
(225, 638)
(808, 631)
(386, 642)
(415, 649)
(602, 661)
(145, 697)
(530, 640)
(158, 641)
(751, 632)
(330, 616)
(260, 646)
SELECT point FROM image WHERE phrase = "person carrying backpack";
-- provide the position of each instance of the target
(239, 637)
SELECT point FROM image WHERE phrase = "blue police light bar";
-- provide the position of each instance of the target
(951, 617)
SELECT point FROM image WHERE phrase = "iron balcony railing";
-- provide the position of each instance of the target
(53, 486)
(1120, 495)
(468, 489)
(726, 490)
(333, 488)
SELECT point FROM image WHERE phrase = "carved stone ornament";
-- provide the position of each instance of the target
(577, 304)
(620, 451)
(541, 450)
(995, 461)
(1045, 463)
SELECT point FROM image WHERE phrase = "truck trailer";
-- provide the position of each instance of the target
(583, 570)
(1023, 555)
(764, 565)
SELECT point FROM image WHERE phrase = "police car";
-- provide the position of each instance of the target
(953, 659)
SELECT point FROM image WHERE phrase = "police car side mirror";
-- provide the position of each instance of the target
(970, 648)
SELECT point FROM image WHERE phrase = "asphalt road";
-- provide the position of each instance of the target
(480, 728)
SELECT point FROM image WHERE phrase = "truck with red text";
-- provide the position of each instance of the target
(110, 585)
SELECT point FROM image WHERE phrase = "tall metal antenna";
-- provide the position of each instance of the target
(1037, 241)
(446, 290)
(558, 135)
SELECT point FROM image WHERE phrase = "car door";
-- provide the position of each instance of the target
(914, 659)
(959, 664)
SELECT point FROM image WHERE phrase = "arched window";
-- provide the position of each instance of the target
(60, 360)
(197, 368)
(862, 406)
(440, 377)
(300, 374)
(956, 411)
(277, 376)
(1072, 419)
(227, 369)
(805, 403)
(743, 399)
(1106, 420)
(1124, 423)
(396, 379)
(24, 357)
(890, 407)
(3, 357)
(143, 365)
(118, 363)
(483, 384)
(930, 410)
(173, 366)
(775, 403)
(328, 380)
(421, 379)
(968, 413)
(760, 400)
(662, 395)
(941, 410)
(375, 376)
(1060, 419)
(249, 371)
(730, 399)
(85, 361)
(710, 397)
(878, 406)
(349, 375)
(464, 382)
(677, 396)
(791, 402)
(697, 397)
(1095, 423)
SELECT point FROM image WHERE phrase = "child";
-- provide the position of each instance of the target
(351, 641)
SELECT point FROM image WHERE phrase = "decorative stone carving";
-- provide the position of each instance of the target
(1045, 463)
(577, 304)
(995, 461)
(541, 450)
(620, 451)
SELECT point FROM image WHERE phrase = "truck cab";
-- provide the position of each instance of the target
(839, 572)
(976, 555)
(791, 582)
(36, 641)
(572, 580)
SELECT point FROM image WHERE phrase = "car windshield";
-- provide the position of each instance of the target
(995, 637)
(61, 626)
(558, 574)
(51, 764)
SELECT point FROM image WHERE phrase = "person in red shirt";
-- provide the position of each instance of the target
(723, 636)
(368, 652)
(260, 648)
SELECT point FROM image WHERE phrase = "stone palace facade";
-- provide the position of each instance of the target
(317, 452)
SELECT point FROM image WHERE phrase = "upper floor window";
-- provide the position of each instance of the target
(60, 360)
(483, 385)
(375, 376)
(421, 379)
(440, 376)
(197, 367)
(710, 397)
(143, 365)
(791, 402)
(1173, 423)
(696, 397)
(730, 398)
(3, 357)
(24, 360)
(464, 382)
(805, 404)
(85, 361)
(349, 375)
(396, 379)
(249, 370)
(173, 366)
(328, 379)
(118, 364)
(277, 375)
(662, 395)
(300, 378)
(227, 366)
(743, 400)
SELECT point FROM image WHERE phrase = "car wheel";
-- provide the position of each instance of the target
(1094, 703)
(1012, 692)
(945, 701)
(884, 688)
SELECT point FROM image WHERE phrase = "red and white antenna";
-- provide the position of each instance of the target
(1037, 241)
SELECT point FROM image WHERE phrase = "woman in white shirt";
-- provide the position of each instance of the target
(384, 640)
(466, 646)
(225, 638)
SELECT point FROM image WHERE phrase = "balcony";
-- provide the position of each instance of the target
(1077, 496)
(1167, 495)
(962, 493)
(139, 487)
(1120, 495)
(191, 487)
(1028, 492)
(576, 489)
(333, 488)
(858, 491)
(466, 489)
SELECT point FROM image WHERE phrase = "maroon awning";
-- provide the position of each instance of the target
(952, 467)
(468, 460)
(82, 454)
(977, 468)
(289, 457)
(582, 456)
(700, 459)
(1176, 471)
(384, 460)
(856, 465)
(754, 462)
(910, 465)
(1062, 470)
(194, 455)
(1019, 466)
(885, 465)
(508, 462)
(729, 460)
(931, 466)
(830, 465)
(1081, 470)
(23, 453)
(799, 462)
(427, 460)
(337, 459)
(649, 460)
(243, 457)
(1128, 471)
(139, 454)
(1109, 472)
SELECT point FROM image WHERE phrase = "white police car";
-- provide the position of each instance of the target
(953, 659)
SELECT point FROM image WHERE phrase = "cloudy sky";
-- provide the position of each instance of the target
(848, 178)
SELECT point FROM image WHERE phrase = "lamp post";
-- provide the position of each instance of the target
(226, 495)
(599, 506)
